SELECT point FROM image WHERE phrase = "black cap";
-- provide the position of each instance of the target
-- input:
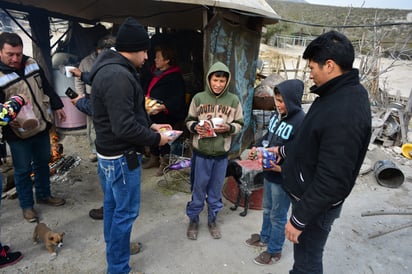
(132, 37)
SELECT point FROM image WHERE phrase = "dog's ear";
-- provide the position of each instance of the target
(51, 238)
(62, 234)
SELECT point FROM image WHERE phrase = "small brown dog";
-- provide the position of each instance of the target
(51, 239)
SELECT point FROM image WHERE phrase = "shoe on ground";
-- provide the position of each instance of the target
(93, 157)
(266, 258)
(254, 240)
(135, 247)
(30, 214)
(9, 258)
(192, 231)
(214, 230)
(52, 201)
(6, 247)
(96, 213)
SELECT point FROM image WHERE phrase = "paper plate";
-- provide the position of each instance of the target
(407, 150)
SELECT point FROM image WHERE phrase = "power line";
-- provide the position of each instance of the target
(346, 26)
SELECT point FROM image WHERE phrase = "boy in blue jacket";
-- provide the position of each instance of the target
(282, 127)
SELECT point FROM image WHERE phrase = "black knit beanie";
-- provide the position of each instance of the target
(132, 37)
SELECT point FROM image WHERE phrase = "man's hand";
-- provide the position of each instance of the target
(74, 101)
(291, 233)
(60, 114)
(76, 72)
(164, 139)
(14, 124)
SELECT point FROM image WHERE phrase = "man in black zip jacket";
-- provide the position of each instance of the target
(323, 160)
(123, 128)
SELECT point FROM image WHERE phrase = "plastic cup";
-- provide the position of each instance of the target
(217, 121)
(67, 71)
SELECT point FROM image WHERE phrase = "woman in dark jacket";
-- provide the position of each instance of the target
(168, 88)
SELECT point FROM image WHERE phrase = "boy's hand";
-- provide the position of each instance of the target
(275, 150)
(252, 154)
(222, 128)
(274, 167)
(201, 130)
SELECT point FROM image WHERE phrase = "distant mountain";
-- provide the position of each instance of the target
(294, 1)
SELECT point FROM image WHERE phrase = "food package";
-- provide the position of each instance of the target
(151, 104)
(171, 133)
(209, 127)
(265, 157)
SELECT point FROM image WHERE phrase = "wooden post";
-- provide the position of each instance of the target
(297, 67)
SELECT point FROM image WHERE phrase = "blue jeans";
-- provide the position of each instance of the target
(121, 206)
(308, 253)
(276, 203)
(31, 155)
(208, 177)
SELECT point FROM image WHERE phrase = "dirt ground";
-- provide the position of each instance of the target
(161, 227)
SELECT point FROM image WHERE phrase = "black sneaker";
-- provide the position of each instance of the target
(9, 258)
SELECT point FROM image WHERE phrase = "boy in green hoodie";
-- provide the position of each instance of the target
(211, 145)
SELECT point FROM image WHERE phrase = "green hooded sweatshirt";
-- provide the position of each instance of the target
(206, 105)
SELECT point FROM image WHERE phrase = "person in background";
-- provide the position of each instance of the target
(123, 128)
(210, 151)
(282, 126)
(84, 89)
(322, 162)
(83, 102)
(9, 111)
(30, 148)
(167, 86)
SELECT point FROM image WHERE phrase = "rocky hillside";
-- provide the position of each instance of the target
(329, 16)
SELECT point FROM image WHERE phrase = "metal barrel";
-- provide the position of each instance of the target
(388, 174)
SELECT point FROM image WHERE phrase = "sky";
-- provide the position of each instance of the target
(382, 4)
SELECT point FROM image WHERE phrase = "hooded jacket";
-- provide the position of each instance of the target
(30, 81)
(119, 115)
(282, 128)
(206, 105)
(324, 159)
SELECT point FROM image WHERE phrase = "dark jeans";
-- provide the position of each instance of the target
(31, 155)
(309, 252)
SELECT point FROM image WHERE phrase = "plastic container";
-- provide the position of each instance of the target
(67, 71)
(74, 118)
(26, 117)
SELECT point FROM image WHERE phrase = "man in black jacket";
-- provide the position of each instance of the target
(323, 160)
(123, 128)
